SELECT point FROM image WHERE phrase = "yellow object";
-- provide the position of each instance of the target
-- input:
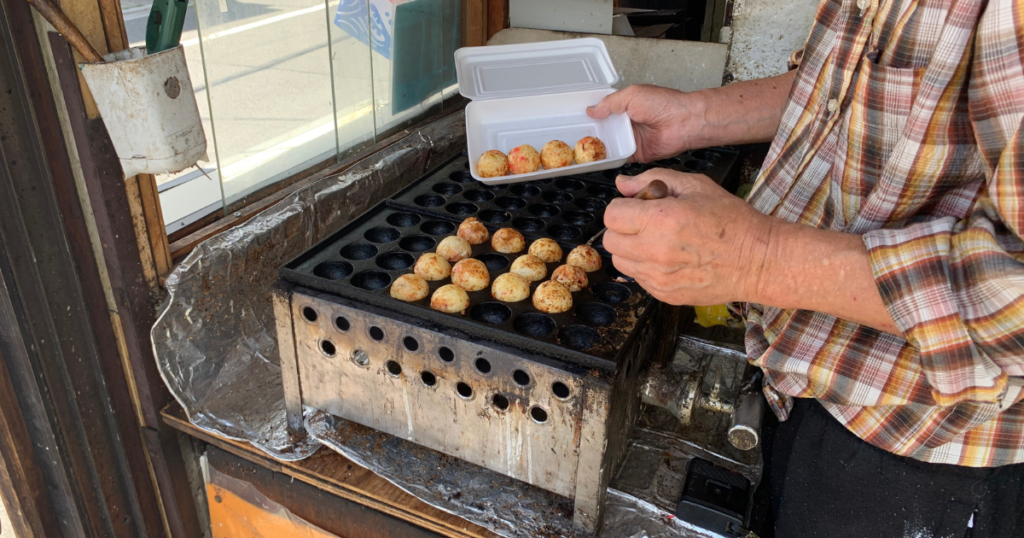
(232, 516)
(709, 316)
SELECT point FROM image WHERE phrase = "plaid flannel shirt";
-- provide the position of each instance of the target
(904, 126)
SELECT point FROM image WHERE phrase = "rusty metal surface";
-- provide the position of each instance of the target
(215, 340)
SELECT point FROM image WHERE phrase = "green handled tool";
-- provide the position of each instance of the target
(163, 29)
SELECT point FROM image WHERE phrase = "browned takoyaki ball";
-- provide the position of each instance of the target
(530, 267)
(471, 275)
(573, 277)
(510, 288)
(585, 257)
(454, 248)
(523, 160)
(410, 288)
(474, 231)
(508, 241)
(552, 298)
(492, 163)
(589, 149)
(432, 267)
(556, 154)
(450, 299)
(546, 249)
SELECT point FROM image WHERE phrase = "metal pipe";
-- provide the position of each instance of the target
(66, 28)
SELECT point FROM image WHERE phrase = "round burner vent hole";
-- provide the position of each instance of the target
(428, 379)
(464, 391)
(500, 402)
(569, 184)
(538, 415)
(333, 270)
(394, 368)
(359, 251)
(525, 190)
(560, 390)
(376, 333)
(492, 312)
(534, 324)
(495, 216)
(521, 378)
(341, 322)
(447, 188)
(494, 262)
(403, 220)
(483, 365)
(462, 209)
(429, 200)
(309, 314)
(477, 195)
(328, 348)
(360, 357)
(410, 343)
(445, 354)
(543, 210)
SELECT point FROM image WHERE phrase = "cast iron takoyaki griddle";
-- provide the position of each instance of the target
(565, 209)
(716, 163)
(362, 259)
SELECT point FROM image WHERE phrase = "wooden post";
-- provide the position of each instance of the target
(497, 16)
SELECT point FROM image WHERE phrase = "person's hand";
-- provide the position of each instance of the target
(699, 246)
(666, 122)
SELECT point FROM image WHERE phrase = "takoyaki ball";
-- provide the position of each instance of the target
(573, 277)
(508, 241)
(410, 288)
(471, 275)
(450, 299)
(585, 257)
(546, 249)
(523, 160)
(530, 267)
(589, 149)
(454, 248)
(432, 267)
(510, 288)
(492, 163)
(552, 298)
(556, 154)
(474, 231)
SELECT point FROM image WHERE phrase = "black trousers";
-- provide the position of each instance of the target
(828, 483)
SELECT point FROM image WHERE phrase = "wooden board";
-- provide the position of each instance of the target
(332, 472)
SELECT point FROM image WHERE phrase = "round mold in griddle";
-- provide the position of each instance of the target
(333, 270)
(524, 189)
(706, 155)
(395, 261)
(569, 184)
(669, 162)
(632, 171)
(447, 187)
(490, 187)
(527, 224)
(461, 209)
(403, 220)
(382, 234)
(578, 218)
(591, 204)
(371, 280)
(610, 270)
(437, 227)
(632, 167)
(417, 243)
(612, 174)
(596, 314)
(543, 210)
(579, 337)
(510, 202)
(495, 216)
(557, 197)
(697, 165)
(429, 200)
(478, 195)
(564, 232)
(534, 324)
(611, 292)
(491, 312)
(461, 176)
(494, 262)
(603, 192)
(359, 251)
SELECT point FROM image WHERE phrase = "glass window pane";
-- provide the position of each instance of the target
(353, 86)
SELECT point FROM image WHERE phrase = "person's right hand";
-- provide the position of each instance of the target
(666, 122)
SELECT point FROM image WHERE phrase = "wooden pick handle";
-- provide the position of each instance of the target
(655, 190)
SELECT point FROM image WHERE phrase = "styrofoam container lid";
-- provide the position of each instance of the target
(534, 68)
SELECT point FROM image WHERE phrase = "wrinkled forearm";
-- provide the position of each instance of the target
(744, 112)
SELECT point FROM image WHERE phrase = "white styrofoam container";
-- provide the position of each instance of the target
(533, 93)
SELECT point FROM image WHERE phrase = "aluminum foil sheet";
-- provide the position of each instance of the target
(215, 342)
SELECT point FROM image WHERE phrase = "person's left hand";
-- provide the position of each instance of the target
(699, 246)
